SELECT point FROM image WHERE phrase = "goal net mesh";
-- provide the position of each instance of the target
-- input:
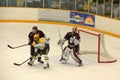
(93, 43)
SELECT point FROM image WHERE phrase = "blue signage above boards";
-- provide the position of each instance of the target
(82, 19)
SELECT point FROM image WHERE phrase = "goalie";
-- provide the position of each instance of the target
(72, 48)
(41, 46)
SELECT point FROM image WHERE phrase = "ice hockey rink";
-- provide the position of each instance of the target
(16, 34)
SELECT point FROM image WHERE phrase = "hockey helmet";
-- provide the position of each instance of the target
(35, 27)
(36, 36)
(42, 40)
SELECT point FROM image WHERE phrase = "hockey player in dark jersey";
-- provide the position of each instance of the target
(31, 39)
(72, 48)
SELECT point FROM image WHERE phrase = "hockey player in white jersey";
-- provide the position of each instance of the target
(41, 46)
(72, 48)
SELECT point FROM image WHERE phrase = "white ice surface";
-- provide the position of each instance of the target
(16, 34)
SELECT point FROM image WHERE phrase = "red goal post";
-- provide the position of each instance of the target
(94, 43)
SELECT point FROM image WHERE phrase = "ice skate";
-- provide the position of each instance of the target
(62, 59)
(39, 60)
(47, 66)
(80, 64)
(30, 63)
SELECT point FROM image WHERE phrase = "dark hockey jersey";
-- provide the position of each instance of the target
(31, 34)
(70, 36)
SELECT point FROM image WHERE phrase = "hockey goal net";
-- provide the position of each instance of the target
(93, 43)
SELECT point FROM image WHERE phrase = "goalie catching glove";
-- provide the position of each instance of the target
(61, 42)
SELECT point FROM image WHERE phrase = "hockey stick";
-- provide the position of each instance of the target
(17, 46)
(60, 38)
(21, 63)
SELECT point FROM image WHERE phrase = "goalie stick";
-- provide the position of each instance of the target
(60, 38)
(17, 64)
(61, 45)
(17, 46)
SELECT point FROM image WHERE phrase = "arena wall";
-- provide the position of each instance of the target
(102, 24)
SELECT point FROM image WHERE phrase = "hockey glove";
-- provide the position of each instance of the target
(61, 42)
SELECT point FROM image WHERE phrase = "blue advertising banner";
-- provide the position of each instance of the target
(82, 19)
(76, 18)
(89, 20)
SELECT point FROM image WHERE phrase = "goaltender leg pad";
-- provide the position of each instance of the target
(65, 55)
(76, 56)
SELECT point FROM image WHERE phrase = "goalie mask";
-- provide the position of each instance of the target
(74, 29)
